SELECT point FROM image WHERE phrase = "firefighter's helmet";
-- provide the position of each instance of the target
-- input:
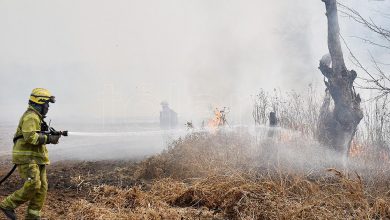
(41, 96)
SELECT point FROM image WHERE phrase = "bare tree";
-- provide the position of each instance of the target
(340, 113)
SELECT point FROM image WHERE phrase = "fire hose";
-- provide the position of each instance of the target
(51, 131)
(8, 174)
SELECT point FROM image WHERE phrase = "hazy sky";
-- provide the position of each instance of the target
(122, 58)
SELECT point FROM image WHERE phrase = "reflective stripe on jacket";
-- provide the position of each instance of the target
(26, 150)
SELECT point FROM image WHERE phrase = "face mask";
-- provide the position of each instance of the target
(45, 109)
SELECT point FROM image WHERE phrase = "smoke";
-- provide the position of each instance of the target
(120, 59)
(255, 45)
(288, 150)
(110, 63)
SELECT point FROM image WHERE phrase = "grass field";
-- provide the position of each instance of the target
(228, 175)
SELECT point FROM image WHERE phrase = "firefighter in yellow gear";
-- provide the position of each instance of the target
(31, 157)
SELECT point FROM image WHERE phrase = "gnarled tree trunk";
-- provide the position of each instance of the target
(340, 113)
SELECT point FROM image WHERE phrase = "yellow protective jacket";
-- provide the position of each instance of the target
(27, 149)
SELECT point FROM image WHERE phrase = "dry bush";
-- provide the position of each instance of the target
(296, 111)
(372, 140)
(197, 155)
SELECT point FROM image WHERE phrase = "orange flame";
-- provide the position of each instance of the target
(217, 121)
(362, 151)
(356, 150)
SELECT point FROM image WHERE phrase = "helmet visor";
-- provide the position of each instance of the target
(52, 99)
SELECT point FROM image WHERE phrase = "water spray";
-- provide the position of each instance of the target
(126, 134)
(154, 132)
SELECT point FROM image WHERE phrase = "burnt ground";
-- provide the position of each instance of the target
(70, 181)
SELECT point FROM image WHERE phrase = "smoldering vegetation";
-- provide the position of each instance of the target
(299, 112)
(227, 175)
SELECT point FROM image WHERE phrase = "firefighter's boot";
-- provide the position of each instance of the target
(10, 213)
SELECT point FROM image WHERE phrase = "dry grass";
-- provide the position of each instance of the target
(222, 176)
(216, 177)
(198, 155)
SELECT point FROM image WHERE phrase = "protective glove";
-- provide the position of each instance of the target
(52, 139)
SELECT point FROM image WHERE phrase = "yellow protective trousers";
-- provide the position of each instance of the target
(33, 191)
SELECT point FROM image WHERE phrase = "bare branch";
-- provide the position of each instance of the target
(371, 42)
(370, 24)
(360, 65)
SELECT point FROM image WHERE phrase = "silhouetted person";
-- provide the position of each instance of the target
(168, 117)
(273, 121)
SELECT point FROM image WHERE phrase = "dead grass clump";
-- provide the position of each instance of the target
(198, 155)
(116, 198)
(167, 189)
(83, 209)
(381, 208)
(108, 202)
(209, 192)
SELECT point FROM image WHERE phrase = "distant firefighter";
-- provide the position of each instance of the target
(273, 121)
(168, 117)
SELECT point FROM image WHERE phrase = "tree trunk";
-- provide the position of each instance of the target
(340, 113)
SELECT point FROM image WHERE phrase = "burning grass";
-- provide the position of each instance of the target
(227, 175)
